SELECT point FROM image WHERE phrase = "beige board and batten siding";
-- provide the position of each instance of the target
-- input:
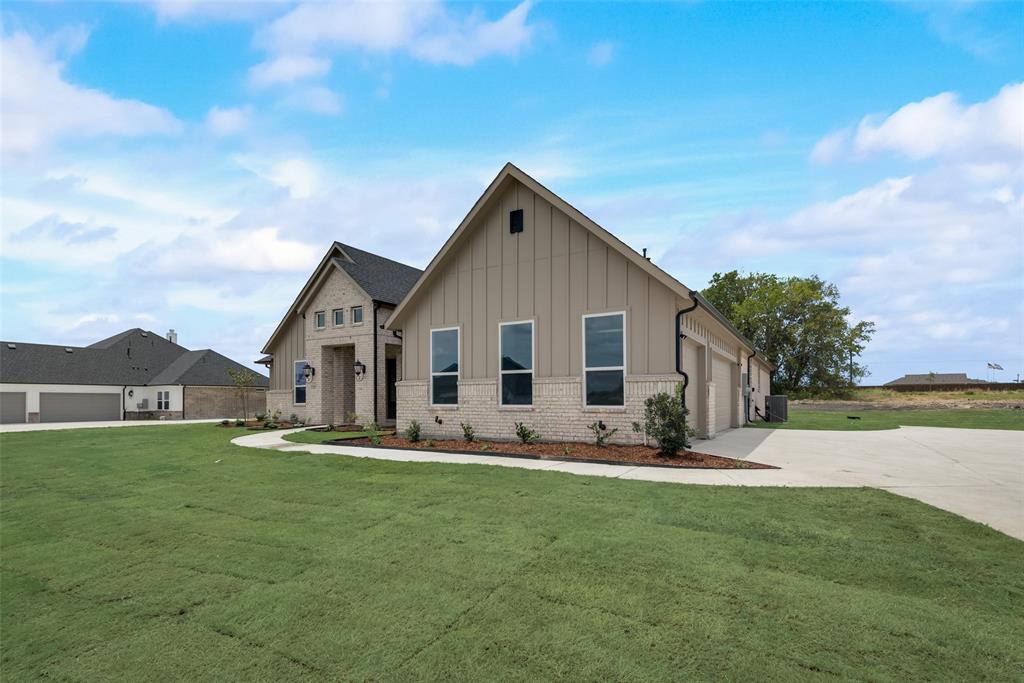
(553, 273)
(289, 347)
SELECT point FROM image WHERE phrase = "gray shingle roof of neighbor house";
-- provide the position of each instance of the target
(134, 356)
(937, 378)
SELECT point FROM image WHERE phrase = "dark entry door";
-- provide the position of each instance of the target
(390, 376)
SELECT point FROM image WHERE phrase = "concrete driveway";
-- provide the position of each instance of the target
(977, 473)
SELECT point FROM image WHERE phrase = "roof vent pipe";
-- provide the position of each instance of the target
(679, 339)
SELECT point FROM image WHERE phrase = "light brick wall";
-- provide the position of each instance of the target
(221, 402)
(557, 414)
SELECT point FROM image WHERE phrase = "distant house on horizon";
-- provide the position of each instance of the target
(934, 378)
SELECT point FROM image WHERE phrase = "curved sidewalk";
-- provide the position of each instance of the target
(976, 473)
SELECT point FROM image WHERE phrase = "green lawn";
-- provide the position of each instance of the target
(319, 437)
(167, 553)
(972, 418)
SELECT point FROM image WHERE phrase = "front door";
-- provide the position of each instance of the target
(390, 376)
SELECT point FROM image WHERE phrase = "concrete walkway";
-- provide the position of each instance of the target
(48, 426)
(977, 473)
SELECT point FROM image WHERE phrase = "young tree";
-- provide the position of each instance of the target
(799, 324)
(243, 380)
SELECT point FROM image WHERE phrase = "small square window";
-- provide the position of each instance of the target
(357, 315)
(321, 320)
(339, 317)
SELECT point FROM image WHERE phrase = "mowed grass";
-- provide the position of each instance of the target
(319, 437)
(970, 418)
(166, 553)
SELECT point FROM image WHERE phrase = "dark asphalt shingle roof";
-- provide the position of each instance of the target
(383, 279)
(937, 378)
(134, 357)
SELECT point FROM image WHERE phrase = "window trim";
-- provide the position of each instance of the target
(586, 368)
(533, 363)
(352, 315)
(316, 320)
(163, 399)
(334, 317)
(457, 373)
(296, 385)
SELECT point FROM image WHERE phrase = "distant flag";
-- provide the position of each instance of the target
(990, 366)
(997, 366)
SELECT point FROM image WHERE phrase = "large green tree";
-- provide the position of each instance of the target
(799, 324)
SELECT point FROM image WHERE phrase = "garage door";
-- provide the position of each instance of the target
(79, 407)
(725, 403)
(12, 407)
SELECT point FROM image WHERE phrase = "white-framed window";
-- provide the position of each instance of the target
(515, 363)
(299, 394)
(444, 366)
(163, 400)
(320, 320)
(604, 359)
(339, 316)
(357, 315)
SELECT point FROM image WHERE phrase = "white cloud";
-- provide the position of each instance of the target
(316, 99)
(38, 106)
(937, 127)
(301, 178)
(229, 121)
(287, 69)
(601, 53)
(426, 30)
(225, 10)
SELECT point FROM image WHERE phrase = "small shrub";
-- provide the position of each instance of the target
(412, 432)
(373, 433)
(485, 447)
(601, 433)
(239, 422)
(665, 421)
(567, 450)
(224, 423)
(276, 417)
(430, 443)
(293, 418)
(353, 417)
(260, 417)
(330, 427)
(467, 432)
(525, 434)
(269, 424)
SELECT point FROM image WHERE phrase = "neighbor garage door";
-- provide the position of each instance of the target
(79, 407)
(12, 407)
(725, 403)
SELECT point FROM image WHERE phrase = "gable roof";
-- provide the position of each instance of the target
(936, 378)
(133, 357)
(382, 279)
(511, 172)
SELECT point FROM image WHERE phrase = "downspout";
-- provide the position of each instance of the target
(746, 400)
(376, 305)
(124, 409)
(679, 338)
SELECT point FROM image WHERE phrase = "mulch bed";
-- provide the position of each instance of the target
(584, 452)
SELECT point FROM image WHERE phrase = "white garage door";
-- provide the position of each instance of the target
(725, 398)
(66, 407)
(12, 407)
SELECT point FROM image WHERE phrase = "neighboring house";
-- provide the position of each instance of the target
(133, 375)
(532, 312)
(935, 378)
(329, 357)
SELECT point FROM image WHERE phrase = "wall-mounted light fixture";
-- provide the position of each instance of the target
(359, 368)
(308, 371)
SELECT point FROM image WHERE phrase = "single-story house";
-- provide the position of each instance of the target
(531, 312)
(934, 379)
(329, 357)
(133, 375)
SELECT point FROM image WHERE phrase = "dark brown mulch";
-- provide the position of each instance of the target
(588, 452)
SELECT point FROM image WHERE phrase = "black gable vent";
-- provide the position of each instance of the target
(515, 221)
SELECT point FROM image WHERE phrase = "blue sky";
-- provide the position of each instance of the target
(184, 165)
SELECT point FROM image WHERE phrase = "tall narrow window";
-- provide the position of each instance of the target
(163, 400)
(321, 320)
(357, 315)
(516, 368)
(444, 366)
(339, 317)
(300, 383)
(604, 359)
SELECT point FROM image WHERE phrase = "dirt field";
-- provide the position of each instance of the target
(884, 399)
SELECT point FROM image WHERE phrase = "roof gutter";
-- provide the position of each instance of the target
(679, 339)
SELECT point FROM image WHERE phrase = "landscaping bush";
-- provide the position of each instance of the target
(260, 417)
(239, 423)
(601, 433)
(665, 421)
(412, 432)
(525, 434)
(467, 432)
(224, 423)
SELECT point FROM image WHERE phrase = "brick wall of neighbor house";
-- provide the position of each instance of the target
(222, 402)
(152, 415)
(557, 414)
